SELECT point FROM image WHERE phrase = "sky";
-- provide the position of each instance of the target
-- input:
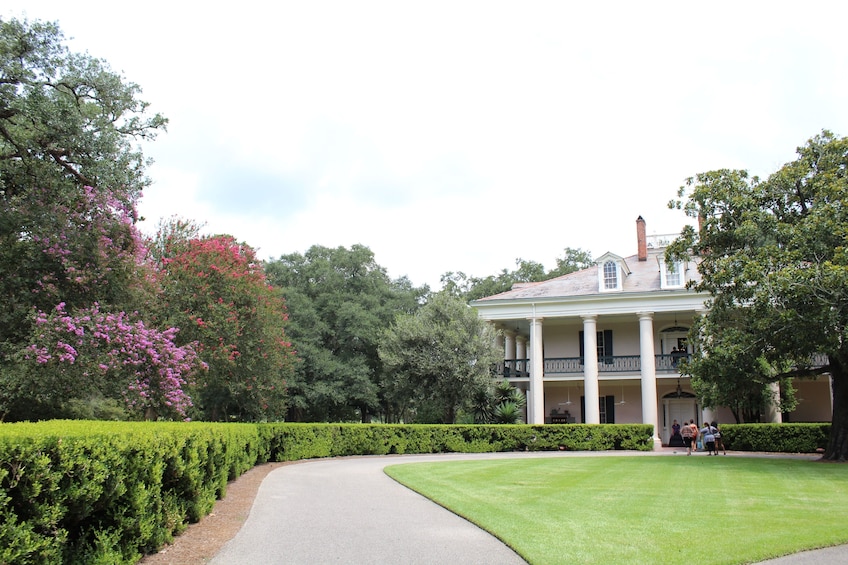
(458, 135)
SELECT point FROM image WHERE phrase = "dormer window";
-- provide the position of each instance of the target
(611, 272)
(610, 275)
(671, 274)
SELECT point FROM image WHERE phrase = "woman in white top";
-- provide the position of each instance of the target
(708, 431)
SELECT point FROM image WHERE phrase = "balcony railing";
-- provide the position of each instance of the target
(520, 368)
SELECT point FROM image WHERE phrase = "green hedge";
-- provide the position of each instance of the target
(293, 442)
(109, 492)
(780, 438)
(97, 492)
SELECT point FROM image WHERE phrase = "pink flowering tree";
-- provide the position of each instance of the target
(215, 290)
(71, 171)
(107, 354)
(80, 250)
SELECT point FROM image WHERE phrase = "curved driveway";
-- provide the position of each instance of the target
(348, 511)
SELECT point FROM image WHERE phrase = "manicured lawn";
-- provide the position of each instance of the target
(674, 509)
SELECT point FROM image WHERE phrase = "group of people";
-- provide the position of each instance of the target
(710, 436)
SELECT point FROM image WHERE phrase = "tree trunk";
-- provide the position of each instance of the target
(450, 414)
(837, 447)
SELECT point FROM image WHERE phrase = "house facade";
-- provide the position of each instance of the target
(602, 345)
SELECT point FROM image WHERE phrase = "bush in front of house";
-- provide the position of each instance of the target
(780, 438)
(109, 492)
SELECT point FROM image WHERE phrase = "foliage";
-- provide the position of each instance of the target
(509, 404)
(86, 492)
(773, 259)
(779, 438)
(70, 174)
(214, 289)
(473, 288)
(100, 355)
(501, 403)
(730, 373)
(442, 353)
(67, 119)
(340, 300)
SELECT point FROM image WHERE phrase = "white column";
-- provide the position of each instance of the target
(590, 369)
(509, 345)
(648, 373)
(521, 353)
(537, 370)
(521, 347)
(509, 353)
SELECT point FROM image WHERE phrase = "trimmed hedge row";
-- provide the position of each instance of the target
(293, 442)
(96, 492)
(780, 438)
(109, 492)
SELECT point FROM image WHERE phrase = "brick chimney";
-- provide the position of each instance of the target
(641, 239)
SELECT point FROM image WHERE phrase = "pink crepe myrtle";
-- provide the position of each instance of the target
(105, 348)
(86, 237)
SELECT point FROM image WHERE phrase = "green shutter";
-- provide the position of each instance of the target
(610, 409)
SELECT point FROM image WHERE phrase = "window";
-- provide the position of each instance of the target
(672, 274)
(606, 407)
(612, 270)
(610, 275)
(604, 341)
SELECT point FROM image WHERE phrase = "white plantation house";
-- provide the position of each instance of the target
(601, 345)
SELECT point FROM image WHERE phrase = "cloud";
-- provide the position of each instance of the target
(453, 136)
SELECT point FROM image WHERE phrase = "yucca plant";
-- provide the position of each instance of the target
(507, 413)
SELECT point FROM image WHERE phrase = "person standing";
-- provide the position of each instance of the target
(708, 431)
(686, 432)
(719, 443)
(695, 433)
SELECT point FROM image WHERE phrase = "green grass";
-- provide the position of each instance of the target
(705, 510)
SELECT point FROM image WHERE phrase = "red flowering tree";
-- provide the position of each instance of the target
(215, 291)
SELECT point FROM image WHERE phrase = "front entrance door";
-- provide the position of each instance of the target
(680, 409)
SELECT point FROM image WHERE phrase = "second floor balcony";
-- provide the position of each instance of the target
(519, 368)
(623, 364)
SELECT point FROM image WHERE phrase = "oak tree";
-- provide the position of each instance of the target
(443, 355)
(774, 260)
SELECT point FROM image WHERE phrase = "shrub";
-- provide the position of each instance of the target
(783, 438)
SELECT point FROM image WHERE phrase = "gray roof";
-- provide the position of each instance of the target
(644, 276)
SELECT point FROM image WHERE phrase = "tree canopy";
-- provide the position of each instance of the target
(215, 290)
(70, 175)
(66, 119)
(441, 356)
(340, 301)
(774, 259)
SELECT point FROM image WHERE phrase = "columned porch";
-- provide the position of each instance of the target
(598, 385)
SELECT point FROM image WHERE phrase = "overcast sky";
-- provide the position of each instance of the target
(459, 136)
